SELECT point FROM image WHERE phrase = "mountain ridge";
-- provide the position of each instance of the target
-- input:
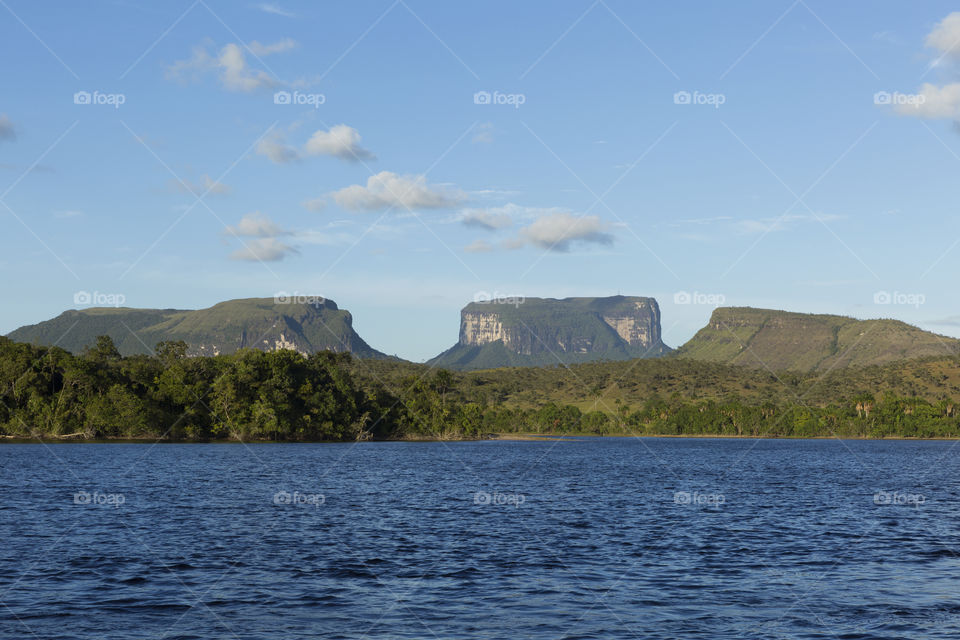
(550, 331)
(267, 324)
(511, 332)
(793, 341)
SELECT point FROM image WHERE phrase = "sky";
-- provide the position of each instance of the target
(405, 157)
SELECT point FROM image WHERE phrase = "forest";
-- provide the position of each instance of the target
(48, 393)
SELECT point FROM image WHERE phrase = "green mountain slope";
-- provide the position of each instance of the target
(547, 331)
(259, 323)
(782, 340)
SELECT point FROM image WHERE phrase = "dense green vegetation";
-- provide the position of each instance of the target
(254, 395)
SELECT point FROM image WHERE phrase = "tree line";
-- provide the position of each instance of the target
(251, 395)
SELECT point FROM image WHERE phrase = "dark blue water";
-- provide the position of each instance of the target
(617, 538)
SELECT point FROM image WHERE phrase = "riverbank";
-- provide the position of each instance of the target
(507, 437)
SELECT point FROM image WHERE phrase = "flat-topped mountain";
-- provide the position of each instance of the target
(783, 340)
(306, 325)
(547, 331)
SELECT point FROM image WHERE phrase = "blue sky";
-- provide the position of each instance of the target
(390, 184)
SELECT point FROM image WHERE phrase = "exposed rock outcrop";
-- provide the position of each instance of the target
(543, 331)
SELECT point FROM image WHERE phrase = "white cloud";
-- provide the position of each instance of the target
(551, 228)
(263, 250)
(206, 186)
(277, 47)
(264, 244)
(945, 37)
(237, 76)
(276, 148)
(479, 246)
(387, 189)
(268, 7)
(256, 225)
(490, 219)
(341, 141)
(230, 65)
(7, 132)
(558, 231)
(495, 218)
(933, 102)
(316, 204)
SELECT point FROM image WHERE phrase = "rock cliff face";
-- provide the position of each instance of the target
(305, 326)
(481, 328)
(540, 331)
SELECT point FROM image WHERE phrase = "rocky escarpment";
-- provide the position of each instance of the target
(302, 324)
(539, 331)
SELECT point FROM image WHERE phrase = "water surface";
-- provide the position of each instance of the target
(583, 538)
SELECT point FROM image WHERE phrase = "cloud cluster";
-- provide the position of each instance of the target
(315, 204)
(551, 229)
(388, 190)
(230, 65)
(932, 101)
(341, 141)
(263, 243)
(558, 231)
(490, 219)
(256, 225)
(478, 246)
(945, 37)
(276, 148)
